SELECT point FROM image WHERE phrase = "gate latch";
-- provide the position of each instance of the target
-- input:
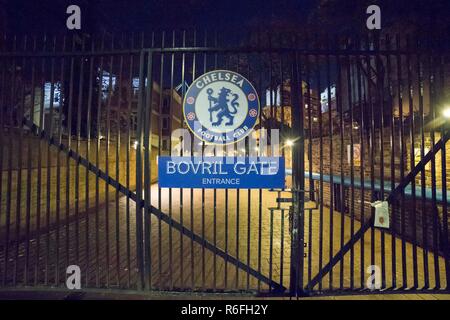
(381, 214)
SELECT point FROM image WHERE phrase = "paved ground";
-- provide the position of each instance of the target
(103, 244)
(20, 294)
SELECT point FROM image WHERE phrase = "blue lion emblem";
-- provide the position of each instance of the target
(222, 104)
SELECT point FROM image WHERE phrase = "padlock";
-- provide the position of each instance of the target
(381, 214)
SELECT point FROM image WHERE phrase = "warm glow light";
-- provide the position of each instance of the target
(446, 113)
(289, 143)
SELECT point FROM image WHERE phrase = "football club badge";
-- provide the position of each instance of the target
(221, 107)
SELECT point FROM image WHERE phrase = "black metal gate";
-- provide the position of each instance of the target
(84, 119)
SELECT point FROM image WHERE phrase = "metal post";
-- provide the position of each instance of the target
(298, 174)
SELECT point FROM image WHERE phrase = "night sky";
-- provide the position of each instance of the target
(49, 16)
(132, 15)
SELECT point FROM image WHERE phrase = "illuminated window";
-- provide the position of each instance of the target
(56, 95)
(276, 97)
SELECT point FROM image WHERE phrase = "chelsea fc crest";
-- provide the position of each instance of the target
(221, 107)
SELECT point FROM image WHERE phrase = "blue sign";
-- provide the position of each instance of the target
(221, 107)
(221, 172)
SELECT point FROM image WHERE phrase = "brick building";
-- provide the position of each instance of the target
(354, 167)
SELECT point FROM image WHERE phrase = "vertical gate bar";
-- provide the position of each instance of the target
(49, 164)
(10, 115)
(271, 96)
(310, 161)
(9, 177)
(183, 57)
(203, 190)
(19, 119)
(260, 84)
(298, 175)
(88, 149)
(4, 146)
(371, 146)
(249, 195)
(130, 96)
(361, 103)
(380, 82)
(141, 114)
(340, 107)
(2, 130)
(17, 93)
(118, 150)
(317, 61)
(226, 207)
(107, 142)
(282, 134)
(352, 163)
(161, 97)
(48, 184)
(148, 252)
(29, 175)
(420, 84)
(262, 152)
(237, 209)
(147, 170)
(8, 122)
(192, 190)
(392, 162)
(77, 148)
(444, 180)
(402, 156)
(170, 146)
(160, 122)
(2, 107)
(310, 239)
(67, 162)
(39, 173)
(310, 133)
(52, 88)
(139, 200)
(282, 247)
(69, 145)
(226, 238)
(97, 163)
(270, 247)
(412, 161)
(331, 151)
(249, 214)
(215, 191)
(148, 154)
(435, 224)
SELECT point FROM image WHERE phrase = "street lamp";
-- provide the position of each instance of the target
(289, 143)
(446, 113)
